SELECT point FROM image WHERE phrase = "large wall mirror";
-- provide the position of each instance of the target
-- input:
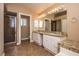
(54, 21)
(58, 22)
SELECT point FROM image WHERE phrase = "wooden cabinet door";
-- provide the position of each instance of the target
(51, 43)
(54, 44)
(45, 44)
(46, 41)
(39, 39)
(35, 37)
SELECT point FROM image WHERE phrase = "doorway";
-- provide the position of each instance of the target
(47, 25)
(10, 27)
(25, 27)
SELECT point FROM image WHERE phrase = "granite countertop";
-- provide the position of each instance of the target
(57, 34)
(70, 45)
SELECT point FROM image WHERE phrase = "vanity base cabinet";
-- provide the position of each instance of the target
(37, 38)
(51, 43)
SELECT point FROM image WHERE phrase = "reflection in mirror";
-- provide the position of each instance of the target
(38, 24)
(60, 22)
(54, 22)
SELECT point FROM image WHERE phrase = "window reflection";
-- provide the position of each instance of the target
(23, 22)
(38, 24)
(12, 21)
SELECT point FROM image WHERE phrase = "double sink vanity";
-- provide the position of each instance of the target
(49, 40)
(56, 43)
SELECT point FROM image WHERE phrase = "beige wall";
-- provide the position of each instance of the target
(1, 29)
(73, 27)
(18, 8)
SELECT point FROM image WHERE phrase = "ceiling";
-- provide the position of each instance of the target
(34, 7)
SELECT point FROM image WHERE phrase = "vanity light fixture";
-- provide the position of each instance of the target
(49, 12)
(57, 9)
(63, 7)
(43, 15)
(52, 10)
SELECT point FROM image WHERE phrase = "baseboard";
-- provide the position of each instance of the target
(3, 54)
(10, 43)
(25, 38)
(31, 41)
(18, 43)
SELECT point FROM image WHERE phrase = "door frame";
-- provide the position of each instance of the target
(19, 30)
(15, 28)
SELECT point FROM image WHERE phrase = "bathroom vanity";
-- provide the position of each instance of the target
(38, 38)
(49, 40)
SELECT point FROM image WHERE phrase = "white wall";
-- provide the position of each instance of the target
(1, 29)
